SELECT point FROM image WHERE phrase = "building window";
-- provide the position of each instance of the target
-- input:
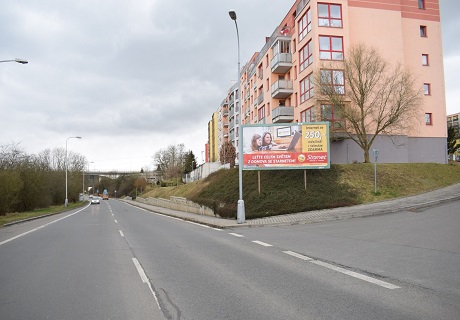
(329, 15)
(423, 33)
(426, 89)
(332, 81)
(306, 57)
(261, 113)
(421, 4)
(306, 88)
(304, 25)
(428, 119)
(308, 115)
(333, 115)
(425, 61)
(330, 48)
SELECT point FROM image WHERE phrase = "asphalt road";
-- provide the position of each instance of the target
(116, 261)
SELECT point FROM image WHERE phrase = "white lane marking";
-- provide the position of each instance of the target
(263, 243)
(357, 275)
(121, 233)
(298, 255)
(116, 221)
(38, 228)
(200, 225)
(144, 279)
(175, 218)
(344, 271)
(236, 235)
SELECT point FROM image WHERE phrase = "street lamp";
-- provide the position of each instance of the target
(66, 193)
(21, 61)
(240, 215)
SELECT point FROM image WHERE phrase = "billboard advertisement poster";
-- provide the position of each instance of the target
(286, 146)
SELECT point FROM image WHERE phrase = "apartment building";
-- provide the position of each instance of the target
(277, 84)
(453, 121)
(212, 151)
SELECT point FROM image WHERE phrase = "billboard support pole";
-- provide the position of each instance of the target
(305, 178)
(258, 180)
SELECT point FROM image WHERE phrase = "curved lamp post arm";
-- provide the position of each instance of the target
(21, 61)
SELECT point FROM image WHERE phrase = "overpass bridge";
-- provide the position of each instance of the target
(113, 174)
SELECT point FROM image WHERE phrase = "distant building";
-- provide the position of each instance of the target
(277, 82)
(213, 139)
(453, 122)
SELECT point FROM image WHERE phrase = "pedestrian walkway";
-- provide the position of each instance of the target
(419, 201)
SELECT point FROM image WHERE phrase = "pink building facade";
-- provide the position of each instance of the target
(277, 84)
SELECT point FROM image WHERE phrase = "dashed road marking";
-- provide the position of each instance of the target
(144, 279)
(298, 255)
(121, 233)
(344, 271)
(262, 243)
(236, 235)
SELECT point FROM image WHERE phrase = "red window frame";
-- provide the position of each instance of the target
(421, 4)
(425, 60)
(429, 119)
(304, 25)
(306, 88)
(308, 115)
(339, 86)
(330, 52)
(427, 89)
(306, 56)
(423, 32)
(328, 20)
(336, 120)
(261, 113)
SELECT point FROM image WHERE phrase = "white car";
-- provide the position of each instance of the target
(95, 200)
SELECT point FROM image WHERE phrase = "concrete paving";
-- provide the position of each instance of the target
(428, 199)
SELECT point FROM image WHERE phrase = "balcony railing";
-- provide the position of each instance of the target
(283, 114)
(281, 63)
(282, 89)
(260, 99)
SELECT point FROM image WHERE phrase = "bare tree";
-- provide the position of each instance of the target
(170, 161)
(452, 145)
(228, 154)
(379, 99)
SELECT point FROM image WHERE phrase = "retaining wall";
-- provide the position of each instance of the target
(178, 203)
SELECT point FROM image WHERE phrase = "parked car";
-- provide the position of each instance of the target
(95, 200)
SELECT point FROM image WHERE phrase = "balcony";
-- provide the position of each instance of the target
(281, 63)
(283, 114)
(282, 89)
(260, 99)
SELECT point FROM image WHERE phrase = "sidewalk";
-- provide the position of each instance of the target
(423, 200)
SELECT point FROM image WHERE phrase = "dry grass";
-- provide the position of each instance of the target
(283, 191)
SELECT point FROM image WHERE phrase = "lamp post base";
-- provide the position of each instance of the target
(240, 213)
(66, 203)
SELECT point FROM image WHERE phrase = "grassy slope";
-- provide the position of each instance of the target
(19, 216)
(283, 191)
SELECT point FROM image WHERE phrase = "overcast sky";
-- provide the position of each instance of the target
(132, 77)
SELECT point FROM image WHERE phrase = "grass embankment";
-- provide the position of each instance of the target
(283, 191)
(18, 216)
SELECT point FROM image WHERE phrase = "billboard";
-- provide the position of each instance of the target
(286, 146)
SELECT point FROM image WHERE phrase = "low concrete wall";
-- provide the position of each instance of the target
(178, 203)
